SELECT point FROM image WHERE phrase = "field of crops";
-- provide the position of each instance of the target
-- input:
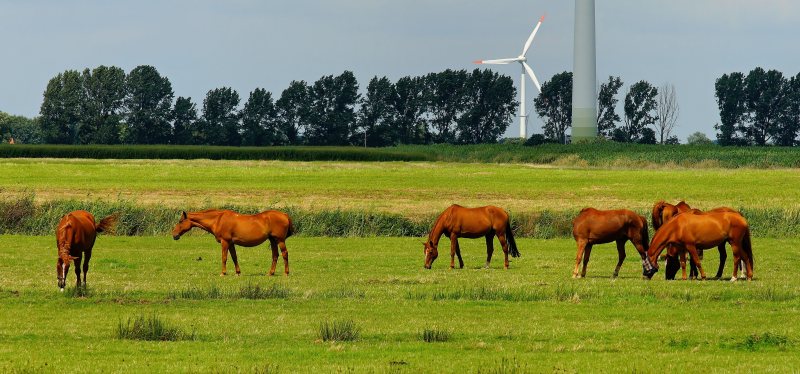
(391, 314)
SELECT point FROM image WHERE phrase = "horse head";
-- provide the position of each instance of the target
(62, 269)
(431, 253)
(184, 225)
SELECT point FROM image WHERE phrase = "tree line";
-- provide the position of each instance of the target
(650, 113)
(105, 105)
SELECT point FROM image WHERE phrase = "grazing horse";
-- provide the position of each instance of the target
(75, 236)
(248, 230)
(594, 226)
(459, 222)
(693, 232)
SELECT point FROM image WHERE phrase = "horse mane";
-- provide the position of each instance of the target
(658, 208)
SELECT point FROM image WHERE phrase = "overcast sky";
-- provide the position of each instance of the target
(245, 44)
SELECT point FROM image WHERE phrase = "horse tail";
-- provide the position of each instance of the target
(512, 244)
(290, 230)
(657, 217)
(748, 247)
(645, 234)
(107, 224)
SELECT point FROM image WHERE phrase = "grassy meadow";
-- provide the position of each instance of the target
(365, 304)
(530, 318)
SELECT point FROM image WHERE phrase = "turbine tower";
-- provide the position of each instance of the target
(584, 77)
(523, 117)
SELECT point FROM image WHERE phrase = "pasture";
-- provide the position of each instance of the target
(530, 318)
(533, 317)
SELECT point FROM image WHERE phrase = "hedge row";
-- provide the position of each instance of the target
(24, 217)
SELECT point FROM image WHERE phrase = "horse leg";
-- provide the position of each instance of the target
(621, 252)
(693, 269)
(696, 259)
(578, 256)
(285, 255)
(453, 245)
(88, 256)
(743, 258)
(225, 245)
(588, 252)
(504, 243)
(489, 249)
(458, 253)
(235, 259)
(273, 244)
(723, 256)
(683, 264)
(77, 272)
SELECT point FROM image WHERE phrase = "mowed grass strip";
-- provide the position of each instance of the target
(407, 188)
(531, 317)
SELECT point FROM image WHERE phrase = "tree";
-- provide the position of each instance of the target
(22, 129)
(184, 122)
(102, 108)
(489, 107)
(698, 138)
(446, 100)
(764, 94)
(648, 136)
(220, 122)
(640, 110)
(293, 111)
(376, 115)
(332, 112)
(789, 122)
(410, 107)
(667, 112)
(730, 94)
(607, 116)
(258, 120)
(554, 106)
(61, 110)
(149, 105)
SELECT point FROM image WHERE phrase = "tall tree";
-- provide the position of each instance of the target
(607, 117)
(149, 105)
(789, 123)
(61, 110)
(22, 129)
(184, 122)
(410, 107)
(764, 94)
(667, 112)
(376, 115)
(554, 106)
(489, 107)
(446, 100)
(258, 120)
(102, 109)
(730, 94)
(220, 123)
(640, 110)
(293, 111)
(332, 117)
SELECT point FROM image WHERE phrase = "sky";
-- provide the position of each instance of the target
(246, 44)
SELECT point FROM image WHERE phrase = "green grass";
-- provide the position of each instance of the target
(532, 317)
(410, 189)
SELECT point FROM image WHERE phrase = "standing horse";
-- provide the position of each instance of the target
(231, 229)
(594, 226)
(693, 232)
(459, 222)
(75, 236)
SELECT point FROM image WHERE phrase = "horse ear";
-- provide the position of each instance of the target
(183, 215)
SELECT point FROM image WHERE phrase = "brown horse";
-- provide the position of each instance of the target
(248, 230)
(594, 226)
(75, 236)
(459, 222)
(693, 232)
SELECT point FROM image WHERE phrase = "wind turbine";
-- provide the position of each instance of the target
(523, 118)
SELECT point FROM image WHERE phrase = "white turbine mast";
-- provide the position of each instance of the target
(523, 117)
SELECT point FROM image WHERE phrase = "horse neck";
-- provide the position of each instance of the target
(204, 220)
(438, 230)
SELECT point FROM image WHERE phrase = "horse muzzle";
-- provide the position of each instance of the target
(176, 237)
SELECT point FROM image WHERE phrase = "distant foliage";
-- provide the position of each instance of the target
(698, 138)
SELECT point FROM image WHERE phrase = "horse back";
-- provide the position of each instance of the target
(604, 226)
(77, 229)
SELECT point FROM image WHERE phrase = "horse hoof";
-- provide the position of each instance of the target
(238, 273)
(62, 290)
(221, 274)
(733, 279)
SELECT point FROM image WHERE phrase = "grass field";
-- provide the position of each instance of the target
(409, 188)
(531, 318)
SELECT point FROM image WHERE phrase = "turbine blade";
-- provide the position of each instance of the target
(530, 38)
(533, 76)
(501, 61)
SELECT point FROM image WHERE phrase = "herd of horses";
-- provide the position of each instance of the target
(680, 230)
